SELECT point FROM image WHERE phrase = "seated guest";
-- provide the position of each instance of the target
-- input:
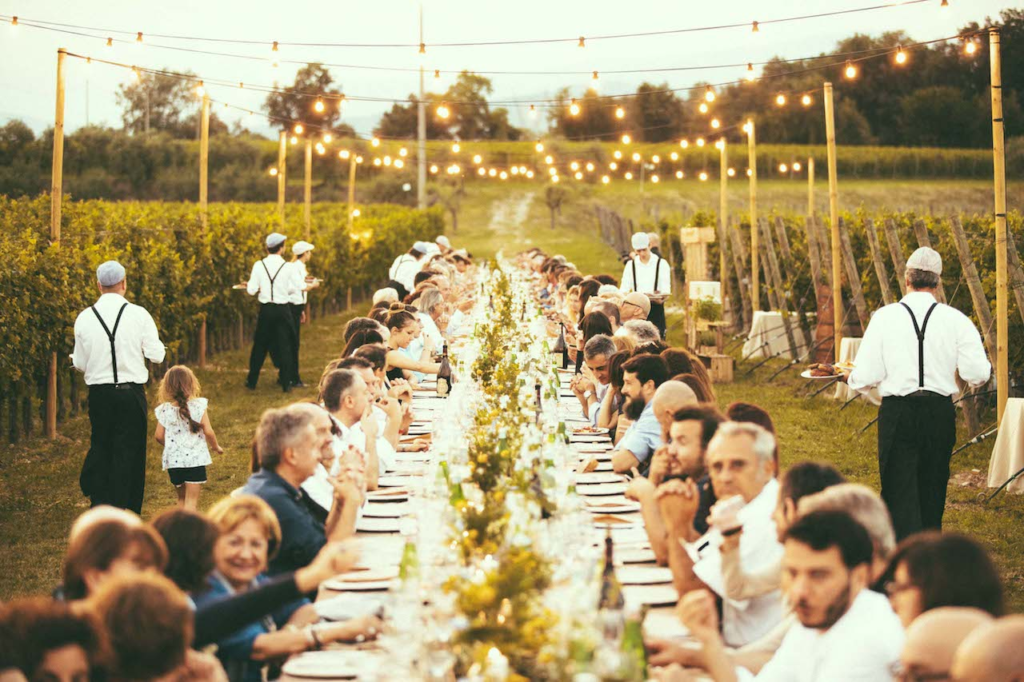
(641, 377)
(431, 310)
(404, 327)
(249, 537)
(755, 414)
(190, 538)
(356, 324)
(290, 443)
(651, 348)
(588, 290)
(635, 306)
(609, 309)
(641, 331)
(361, 338)
(609, 414)
(624, 343)
(593, 324)
(845, 631)
(109, 551)
(927, 570)
(992, 653)
(385, 295)
(591, 386)
(932, 641)
(691, 429)
(377, 356)
(668, 399)
(48, 640)
(607, 280)
(739, 460)
(701, 389)
(682, 361)
(392, 415)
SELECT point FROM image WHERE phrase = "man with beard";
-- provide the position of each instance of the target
(642, 375)
(742, 469)
(845, 631)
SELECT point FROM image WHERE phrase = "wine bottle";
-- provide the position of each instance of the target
(634, 655)
(444, 374)
(611, 591)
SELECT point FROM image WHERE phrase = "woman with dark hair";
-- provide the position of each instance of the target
(704, 393)
(360, 339)
(650, 348)
(592, 324)
(190, 538)
(404, 327)
(933, 569)
(108, 551)
(611, 407)
(47, 640)
(682, 361)
(359, 323)
(588, 289)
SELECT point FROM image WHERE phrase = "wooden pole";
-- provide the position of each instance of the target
(723, 216)
(899, 261)
(833, 206)
(876, 259)
(282, 178)
(351, 190)
(307, 213)
(56, 197)
(810, 185)
(755, 276)
(204, 195)
(999, 164)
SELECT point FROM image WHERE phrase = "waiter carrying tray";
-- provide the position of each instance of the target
(912, 351)
(301, 253)
(113, 340)
(649, 274)
(274, 284)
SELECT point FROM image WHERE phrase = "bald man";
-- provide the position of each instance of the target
(933, 638)
(669, 398)
(992, 653)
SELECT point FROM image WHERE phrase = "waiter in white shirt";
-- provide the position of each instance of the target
(912, 351)
(113, 340)
(274, 284)
(301, 253)
(649, 274)
(404, 269)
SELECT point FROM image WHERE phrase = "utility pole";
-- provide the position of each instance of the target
(421, 133)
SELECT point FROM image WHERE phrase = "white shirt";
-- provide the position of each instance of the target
(601, 390)
(888, 355)
(750, 619)
(862, 646)
(645, 276)
(404, 270)
(455, 322)
(285, 283)
(136, 340)
(297, 297)
(183, 449)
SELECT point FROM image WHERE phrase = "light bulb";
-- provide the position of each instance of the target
(605, 179)
(514, 170)
(423, 48)
(481, 171)
(700, 141)
(14, 21)
(138, 38)
(636, 156)
(751, 76)
(377, 162)
(655, 159)
(319, 106)
(200, 90)
(355, 213)
(477, 159)
(574, 108)
(595, 77)
(617, 154)
(851, 70)
(590, 167)
(703, 108)
(620, 113)
(273, 172)
(709, 94)
(493, 172)
(720, 144)
(578, 175)
(783, 168)
(539, 146)
(970, 48)
(552, 171)
(654, 178)
(613, 166)
(529, 174)
(796, 166)
(503, 175)
(433, 168)
(679, 175)
(456, 147)
(554, 178)
(294, 140)
(806, 100)
(437, 73)
(387, 160)
(731, 172)
(327, 138)
(754, 28)
(375, 142)
(359, 159)
(684, 143)
(674, 156)
(574, 165)
(626, 139)
(299, 129)
(403, 152)
(442, 110)
(273, 48)
(582, 42)
(549, 159)
(716, 124)
(901, 56)
(344, 154)
(533, 111)
(628, 175)
(110, 42)
(780, 99)
(750, 173)
(703, 176)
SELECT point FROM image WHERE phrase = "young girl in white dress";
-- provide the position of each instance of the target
(184, 429)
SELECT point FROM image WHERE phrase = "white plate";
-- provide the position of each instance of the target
(396, 481)
(335, 664)
(347, 607)
(604, 489)
(605, 521)
(596, 477)
(637, 555)
(371, 524)
(644, 575)
(806, 374)
(392, 495)
(652, 595)
(590, 431)
(589, 438)
(339, 585)
(375, 510)
(604, 507)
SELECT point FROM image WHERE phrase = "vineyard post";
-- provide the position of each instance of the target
(810, 185)
(56, 196)
(282, 167)
(351, 190)
(723, 213)
(204, 195)
(307, 195)
(833, 206)
(999, 165)
(755, 276)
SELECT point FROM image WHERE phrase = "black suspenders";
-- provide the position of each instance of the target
(657, 269)
(274, 277)
(111, 334)
(920, 339)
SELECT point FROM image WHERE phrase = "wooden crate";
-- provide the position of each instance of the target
(720, 367)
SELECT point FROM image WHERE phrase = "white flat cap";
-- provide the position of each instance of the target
(925, 259)
(421, 247)
(301, 247)
(433, 248)
(443, 241)
(275, 239)
(110, 273)
(641, 241)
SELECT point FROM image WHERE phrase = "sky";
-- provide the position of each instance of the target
(28, 55)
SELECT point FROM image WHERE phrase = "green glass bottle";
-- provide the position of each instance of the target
(410, 565)
(634, 655)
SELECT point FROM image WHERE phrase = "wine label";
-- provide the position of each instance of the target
(442, 386)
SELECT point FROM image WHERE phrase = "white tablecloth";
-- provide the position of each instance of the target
(1008, 452)
(848, 353)
(768, 338)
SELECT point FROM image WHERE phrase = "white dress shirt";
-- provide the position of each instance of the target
(455, 322)
(645, 283)
(136, 340)
(298, 296)
(862, 646)
(747, 620)
(888, 355)
(285, 283)
(404, 270)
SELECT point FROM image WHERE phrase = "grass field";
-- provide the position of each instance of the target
(39, 494)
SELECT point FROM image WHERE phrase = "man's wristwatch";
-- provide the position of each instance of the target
(587, 395)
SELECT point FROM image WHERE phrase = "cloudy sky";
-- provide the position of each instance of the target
(28, 55)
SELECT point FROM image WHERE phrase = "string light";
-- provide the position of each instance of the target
(399, 163)
(626, 139)
(748, 126)
(731, 172)
(359, 159)
(636, 156)
(138, 38)
(481, 171)
(274, 47)
(423, 48)
(327, 138)
(750, 173)
(273, 172)
(780, 99)
(628, 176)
(944, 3)
(806, 100)
(299, 129)
(552, 171)
(533, 111)
(655, 159)
(715, 123)
(700, 141)
(494, 172)
(796, 166)
(356, 213)
(684, 143)
(851, 70)
(433, 168)
(709, 94)
(110, 42)
(137, 74)
(595, 77)
(574, 165)
(549, 159)
(515, 170)
(590, 167)
(574, 108)
(720, 143)
(539, 146)
(751, 75)
(554, 178)
(456, 147)
(970, 47)
(375, 142)
(403, 152)
(200, 90)
(578, 175)
(294, 140)
(679, 175)
(674, 156)
(783, 168)
(529, 174)
(703, 108)
(319, 106)
(503, 175)
(582, 43)
(387, 160)
(620, 113)
(320, 149)
(755, 28)
(901, 56)
(605, 179)
(655, 178)
(703, 176)
(437, 73)
(14, 21)
(477, 159)
(613, 166)
(344, 154)
(442, 110)
(377, 162)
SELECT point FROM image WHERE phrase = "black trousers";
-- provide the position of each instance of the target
(114, 471)
(916, 436)
(657, 317)
(297, 321)
(275, 334)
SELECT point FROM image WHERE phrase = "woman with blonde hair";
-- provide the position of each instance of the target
(249, 536)
(184, 429)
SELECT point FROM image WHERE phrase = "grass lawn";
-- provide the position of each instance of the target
(39, 494)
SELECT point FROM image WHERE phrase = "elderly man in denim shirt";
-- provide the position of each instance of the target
(641, 377)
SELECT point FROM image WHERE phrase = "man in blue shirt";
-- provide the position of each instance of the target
(641, 377)
(290, 443)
